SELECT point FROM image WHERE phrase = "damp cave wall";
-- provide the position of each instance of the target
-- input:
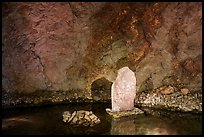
(55, 51)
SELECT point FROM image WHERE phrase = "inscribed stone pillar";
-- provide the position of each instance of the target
(123, 90)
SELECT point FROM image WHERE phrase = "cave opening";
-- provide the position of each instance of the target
(101, 90)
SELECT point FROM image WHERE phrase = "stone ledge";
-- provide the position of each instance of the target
(119, 114)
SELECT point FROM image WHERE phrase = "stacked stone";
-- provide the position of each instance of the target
(83, 118)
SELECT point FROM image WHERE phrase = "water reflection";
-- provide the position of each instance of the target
(15, 121)
(141, 126)
(48, 120)
(123, 126)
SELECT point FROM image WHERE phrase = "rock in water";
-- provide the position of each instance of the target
(123, 90)
(81, 118)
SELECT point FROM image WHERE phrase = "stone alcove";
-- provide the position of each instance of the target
(101, 89)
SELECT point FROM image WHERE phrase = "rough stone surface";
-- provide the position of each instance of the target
(185, 91)
(66, 46)
(81, 118)
(101, 90)
(175, 101)
(134, 111)
(42, 43)
(123, 90)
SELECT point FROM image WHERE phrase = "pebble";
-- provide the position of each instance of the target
(171, 99)
(167, 90)
(185, 91)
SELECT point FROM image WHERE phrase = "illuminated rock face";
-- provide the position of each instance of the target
(123, 90)
(51, 47)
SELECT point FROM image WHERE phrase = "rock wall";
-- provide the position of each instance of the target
(43, 44)
(56, 50)
(176, 52)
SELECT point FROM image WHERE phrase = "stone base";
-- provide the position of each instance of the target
(119, 114)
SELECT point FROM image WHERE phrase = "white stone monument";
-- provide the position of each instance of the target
(123, 90)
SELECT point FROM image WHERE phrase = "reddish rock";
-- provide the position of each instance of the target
(138, 53)
(185, 91)
(198, 65)
(189, 65)
(123, 90)
(46, 46)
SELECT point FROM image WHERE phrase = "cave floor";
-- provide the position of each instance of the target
(47, 120)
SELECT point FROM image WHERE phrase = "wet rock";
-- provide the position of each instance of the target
(123, 90)
(81, 118)
(134, 111)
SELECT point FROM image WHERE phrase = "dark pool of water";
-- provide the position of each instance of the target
(48, 120)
